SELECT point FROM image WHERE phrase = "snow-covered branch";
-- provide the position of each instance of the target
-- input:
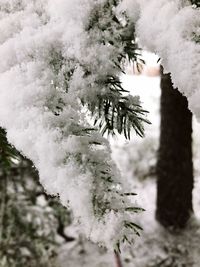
(57, 56)
(54, 56)
(171, 28)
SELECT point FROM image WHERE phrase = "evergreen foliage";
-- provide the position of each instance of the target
(52, 72)
(113, 110)
(49, 72)
(28, 228)
(196, 2)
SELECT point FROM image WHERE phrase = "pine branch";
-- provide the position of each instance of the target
(7, 152)
(112, 110)
(115, 112)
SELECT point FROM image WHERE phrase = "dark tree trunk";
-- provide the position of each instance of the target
(174, 166)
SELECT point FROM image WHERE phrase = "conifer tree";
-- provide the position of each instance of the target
(177, 43)
(175, 161)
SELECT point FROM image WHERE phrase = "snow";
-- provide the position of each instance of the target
(46, 51)
(42, 58)
(170, 29)
(156, 246)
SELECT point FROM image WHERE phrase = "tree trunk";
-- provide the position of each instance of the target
(174, 166)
